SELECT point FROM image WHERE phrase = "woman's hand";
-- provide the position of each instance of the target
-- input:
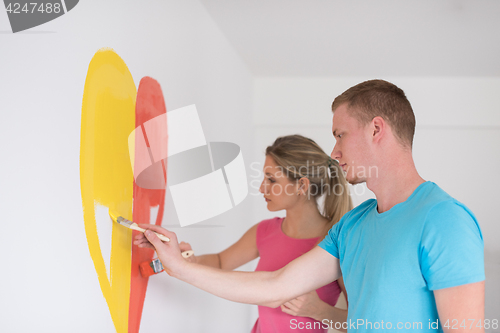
(183, 246)
(307, 305)
(169, 253)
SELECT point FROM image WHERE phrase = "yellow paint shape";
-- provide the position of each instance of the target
(108, 117)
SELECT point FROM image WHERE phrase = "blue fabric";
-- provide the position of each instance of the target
(392, 261)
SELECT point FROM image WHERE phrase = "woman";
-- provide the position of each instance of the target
(297, 173)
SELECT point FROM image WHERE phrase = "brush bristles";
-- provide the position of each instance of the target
(124, 221)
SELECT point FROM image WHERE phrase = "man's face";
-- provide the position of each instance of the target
(352, 146)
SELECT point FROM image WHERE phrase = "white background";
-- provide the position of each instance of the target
(48, 282)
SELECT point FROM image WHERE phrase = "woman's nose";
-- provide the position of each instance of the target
(261, 188)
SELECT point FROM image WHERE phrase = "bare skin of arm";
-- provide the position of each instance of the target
(245, 250)
(310, 305)
(304, 274)
(241, 252)
(461, 306)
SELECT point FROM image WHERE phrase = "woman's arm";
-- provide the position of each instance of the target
(241, 252)
(310, 305)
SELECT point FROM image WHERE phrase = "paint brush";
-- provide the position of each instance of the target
(132, 225)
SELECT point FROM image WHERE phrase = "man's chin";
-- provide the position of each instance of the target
(355, 180)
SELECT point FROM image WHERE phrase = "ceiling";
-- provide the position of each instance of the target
(363, 38)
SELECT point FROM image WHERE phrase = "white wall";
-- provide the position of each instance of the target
(47, 281)
(456, 142)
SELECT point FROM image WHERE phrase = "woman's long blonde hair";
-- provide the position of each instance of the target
(297, 157)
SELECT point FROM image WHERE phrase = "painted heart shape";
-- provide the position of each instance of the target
(111, 110)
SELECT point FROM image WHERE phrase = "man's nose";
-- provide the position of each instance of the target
(336, 153)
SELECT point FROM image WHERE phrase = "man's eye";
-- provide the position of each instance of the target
(339, 136)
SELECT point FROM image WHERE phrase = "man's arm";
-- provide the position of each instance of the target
(310, 305)
(308, 272)
(459, 305)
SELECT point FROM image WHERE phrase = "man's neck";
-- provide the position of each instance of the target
(395, 182)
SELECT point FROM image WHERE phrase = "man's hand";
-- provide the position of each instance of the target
(169, 253)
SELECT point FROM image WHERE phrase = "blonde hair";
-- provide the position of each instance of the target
(298, 157)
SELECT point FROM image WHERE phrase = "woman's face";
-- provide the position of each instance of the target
(279, 192)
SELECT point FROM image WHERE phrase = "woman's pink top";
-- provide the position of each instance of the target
(276, 250)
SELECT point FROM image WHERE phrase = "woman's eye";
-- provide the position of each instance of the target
(271, 180)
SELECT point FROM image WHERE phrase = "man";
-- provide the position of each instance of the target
(411, 260)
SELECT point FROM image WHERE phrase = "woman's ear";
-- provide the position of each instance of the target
(303, 186)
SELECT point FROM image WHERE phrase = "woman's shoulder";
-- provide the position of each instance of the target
(269, 224)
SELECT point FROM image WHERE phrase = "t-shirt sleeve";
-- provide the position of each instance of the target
(331, 241)
(452, 247)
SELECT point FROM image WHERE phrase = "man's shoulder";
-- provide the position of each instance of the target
(433, 193)
(364, 206)
(444, 211)
(434, 198)
(358, 211)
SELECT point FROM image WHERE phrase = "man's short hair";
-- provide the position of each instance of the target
(379, 98)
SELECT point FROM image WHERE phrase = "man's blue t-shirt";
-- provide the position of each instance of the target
(391, 262)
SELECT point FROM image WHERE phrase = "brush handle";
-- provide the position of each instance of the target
(160, 236)
(185, 254)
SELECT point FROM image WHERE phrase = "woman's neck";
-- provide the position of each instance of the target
(304, 221)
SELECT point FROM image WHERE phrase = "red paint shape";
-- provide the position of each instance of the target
(151, 144)
(149, 104)
(142, 160)
(156, 130)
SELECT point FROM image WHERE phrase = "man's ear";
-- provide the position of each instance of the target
(378, 127)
